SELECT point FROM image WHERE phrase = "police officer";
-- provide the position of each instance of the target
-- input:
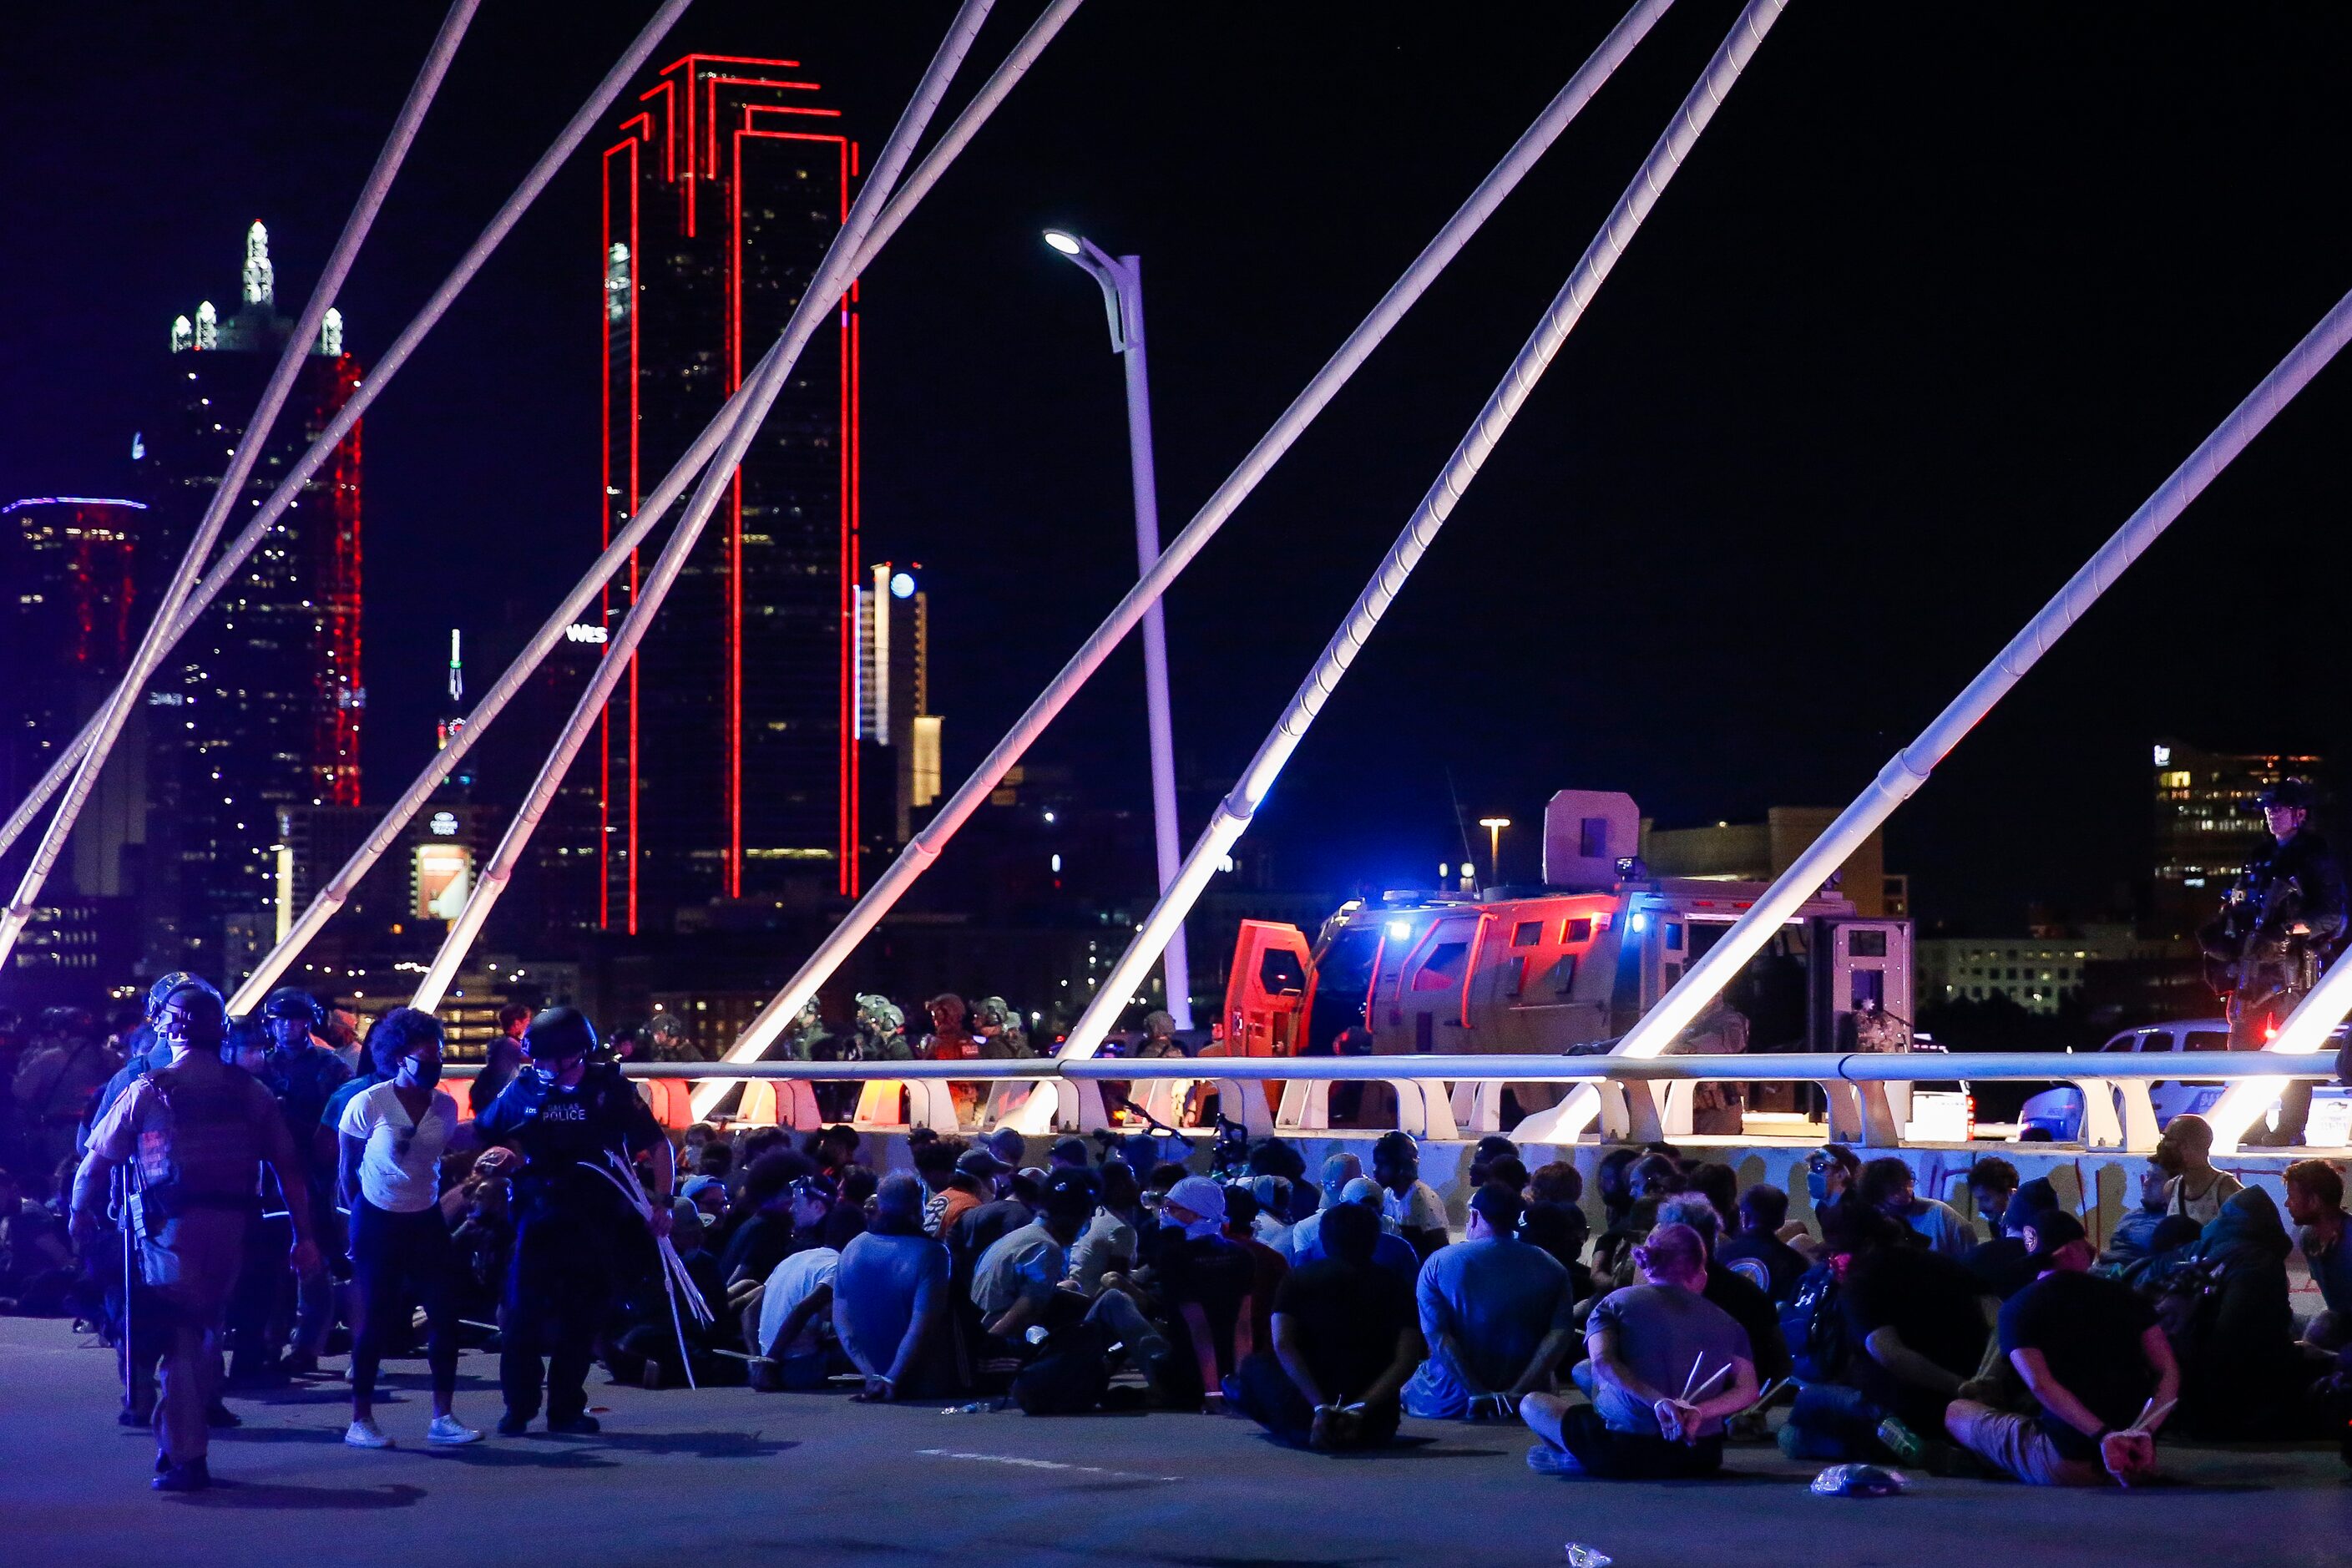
(577, 1124)
(304, 1075)
(194, 1134)
(2281, 919)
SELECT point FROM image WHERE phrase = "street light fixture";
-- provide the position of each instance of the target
(1494, 826)
(1122, 280)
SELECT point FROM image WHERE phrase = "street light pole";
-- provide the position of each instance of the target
(1494, 826)
(1121, 278)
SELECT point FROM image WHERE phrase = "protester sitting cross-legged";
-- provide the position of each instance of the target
(1108, 1245)
(1017, 1286)
(1198, 1282)
(794, 1326)
(1732, 1291)
(391, 1138)
(2093, 1356)
(1345, 1340)
(1498, 1313)
(891, 1301)
(1669, 1368)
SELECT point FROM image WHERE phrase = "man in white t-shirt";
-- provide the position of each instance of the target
(796, 1317)
(1407, 1202)
(390, 1137)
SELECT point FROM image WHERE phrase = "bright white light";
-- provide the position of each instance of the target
(1399, 930)
(1067, 245)
(1639, 923)
(902, 585)
(1057, 865)
(1469, 869)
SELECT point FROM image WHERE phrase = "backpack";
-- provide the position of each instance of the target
(1813, 1322)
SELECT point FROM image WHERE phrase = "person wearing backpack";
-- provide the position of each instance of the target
(195, 1133)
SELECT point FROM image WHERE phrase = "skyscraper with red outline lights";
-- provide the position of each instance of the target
(726, 765)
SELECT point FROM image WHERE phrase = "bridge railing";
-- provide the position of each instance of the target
(1436, 1096)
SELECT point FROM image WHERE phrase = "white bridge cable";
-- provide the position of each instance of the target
(331, 898)
(818, 304)
(1234, 813)
(224, 571)
(926, 845)
(1909, 768)
(158, 636)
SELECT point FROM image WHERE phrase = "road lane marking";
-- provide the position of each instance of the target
(1029, 1464)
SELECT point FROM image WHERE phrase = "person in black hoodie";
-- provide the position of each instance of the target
(2224, 1301)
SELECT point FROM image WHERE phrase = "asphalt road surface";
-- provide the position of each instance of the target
(730, 1477)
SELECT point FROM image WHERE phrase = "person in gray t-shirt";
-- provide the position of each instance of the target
(1669, 1366)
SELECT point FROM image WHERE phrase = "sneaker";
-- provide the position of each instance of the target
(1901, 1441)
(365, 1434)
(1546, 1460)
(448, 1432)
(579, 1425)
(513, 1425)
(191, 1477)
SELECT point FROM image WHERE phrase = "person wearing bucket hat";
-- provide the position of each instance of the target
(2096, 1361)
(2277, 927)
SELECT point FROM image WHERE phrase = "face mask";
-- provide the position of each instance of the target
(1817, 1184)
(416, 1073)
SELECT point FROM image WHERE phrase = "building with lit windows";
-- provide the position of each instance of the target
(2040, 974)
(897, 733)
(727, 765)
(259, 709)
(2208, 826)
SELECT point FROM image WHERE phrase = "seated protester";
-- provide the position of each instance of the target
(1654, 1178)
(971, 1184)
(2197, 1190)
(981, 1228)
(646, 1349)
(1993, 1183)
(1407, 1202)
(1344, 1342)
(36, 1260)
(1736, 1294)
(1829, 1173)
(779, 1205)
(709, 1196)
(2140, 1234)
(833, 1148)
(935, 1164)
(1156, 1188)
(2315, 1202)
(1611, 1180)
(1887, 1185)
(1266, 1266)
(1390, 1250)
(792, 1322)
(1491, 1148)
(2000, 1265)
(1757, 1253)
(1554, 1217)
(1719, 1184)
(1272, 1221)
(1106, 1247)
(1496, 1313)
(2090, 1351)
(1018, 1286)
(2242, 1375)
(1200, 1283)
(1279, 1157)
(1669, 1368)
(1916, 1319)
(891, 1301)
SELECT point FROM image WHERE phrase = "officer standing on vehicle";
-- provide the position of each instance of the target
(2277, 927)
(194, 1134)
(577, 1124)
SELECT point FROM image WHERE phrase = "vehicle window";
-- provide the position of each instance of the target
(1281, 973)
(1563, 975)
(1515, 976)
(1576, 930)
(1866, 944)
(2207, 1040)
(1442, 969)
(1674, 936)
(2122, 1043)
(1527, 933)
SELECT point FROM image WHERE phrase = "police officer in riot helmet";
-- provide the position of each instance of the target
(578, 1123)
(194, 1133)
(2282, 920)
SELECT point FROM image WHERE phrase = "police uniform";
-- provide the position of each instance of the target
(196, 1134)
(576, 1239)
(2267, 967)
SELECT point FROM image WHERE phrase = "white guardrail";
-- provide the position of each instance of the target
(1436, 1096)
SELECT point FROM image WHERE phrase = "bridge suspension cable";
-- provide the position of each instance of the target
(1232, 815)
(157, 640)
(924, 847)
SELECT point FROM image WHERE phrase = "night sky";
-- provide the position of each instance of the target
(1943, 294)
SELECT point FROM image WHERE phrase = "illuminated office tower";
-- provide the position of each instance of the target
(892, 674)
(726, 765)
(259, 706)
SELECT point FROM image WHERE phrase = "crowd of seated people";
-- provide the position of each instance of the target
(1063, 1276)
